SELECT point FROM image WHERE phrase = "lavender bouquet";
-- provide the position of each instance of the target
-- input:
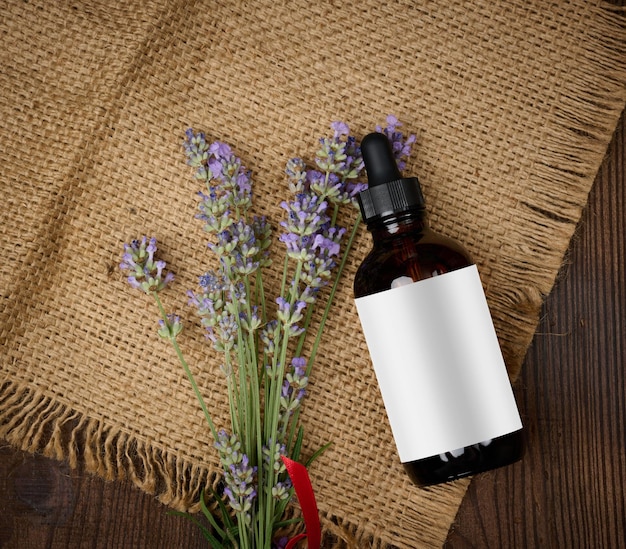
(261, 341)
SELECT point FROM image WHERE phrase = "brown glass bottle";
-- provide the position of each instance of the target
(405, 250)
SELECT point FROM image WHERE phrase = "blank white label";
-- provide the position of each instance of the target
(438, 364)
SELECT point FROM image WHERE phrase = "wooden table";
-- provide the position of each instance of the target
(568, 491)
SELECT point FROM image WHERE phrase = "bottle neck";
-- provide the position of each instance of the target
(396, 225)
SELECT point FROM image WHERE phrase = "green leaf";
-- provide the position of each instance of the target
(297, 446)
(215, 543)
(317, 454)
(226, 518)
(231, 529)
(282, 523)
(207, 513)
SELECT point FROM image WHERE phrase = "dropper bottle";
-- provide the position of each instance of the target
(430, 335)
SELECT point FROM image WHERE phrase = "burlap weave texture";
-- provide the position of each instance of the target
(513, 105)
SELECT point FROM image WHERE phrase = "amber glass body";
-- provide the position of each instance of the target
(404, 246)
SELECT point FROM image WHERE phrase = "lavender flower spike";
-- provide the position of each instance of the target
(297, 174)
(401, 147)
(272, 460)
(239, 475)
(293, 389)
(306, 215)
(144, 273)
(340, 163)
(171, 328)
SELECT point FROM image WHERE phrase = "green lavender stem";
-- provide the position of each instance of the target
(273, 407)
(255, 391)
(182, 360)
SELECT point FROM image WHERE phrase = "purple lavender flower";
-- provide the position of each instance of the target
(267, 335)
(213, 283)
(299, 365)
(171, 328)
(263, 235)
(317, 269)
(340, 163)
(306, 215)
(215, 210)
(289, 314)
(297, 173)
(238, 249)
(229, 448)
(234, 178)
(401, 147)
(208, 308)
(245, 258)
(327, 246)
(226, 242)
(211, 301)
(310, 239)
(237, 293)
(298, 247)
(219, 305)
(241, 245)
(222, 331)
(212, 304)
(250, 322)
(292, 391)
(272, 453)
(326, 184)
(352, 189)
(280, 543)
(282, 489)
(145, 273)
(220, 150)
(228, 183)
(196, 150)
(340, 129)
(239, 475)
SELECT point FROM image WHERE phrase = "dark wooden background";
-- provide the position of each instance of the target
(567, 492)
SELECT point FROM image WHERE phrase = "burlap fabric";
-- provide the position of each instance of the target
(513, 105)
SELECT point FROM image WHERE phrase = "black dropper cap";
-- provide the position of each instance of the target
(388, 193)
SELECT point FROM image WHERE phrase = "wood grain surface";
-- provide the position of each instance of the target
(567, 492)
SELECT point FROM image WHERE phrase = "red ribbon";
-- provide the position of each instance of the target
(304, 490)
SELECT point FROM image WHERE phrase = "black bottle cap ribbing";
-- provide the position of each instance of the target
(388, 193)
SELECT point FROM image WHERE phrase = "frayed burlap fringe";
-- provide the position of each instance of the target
(567, 159)
(513, 106)
(37, 423)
